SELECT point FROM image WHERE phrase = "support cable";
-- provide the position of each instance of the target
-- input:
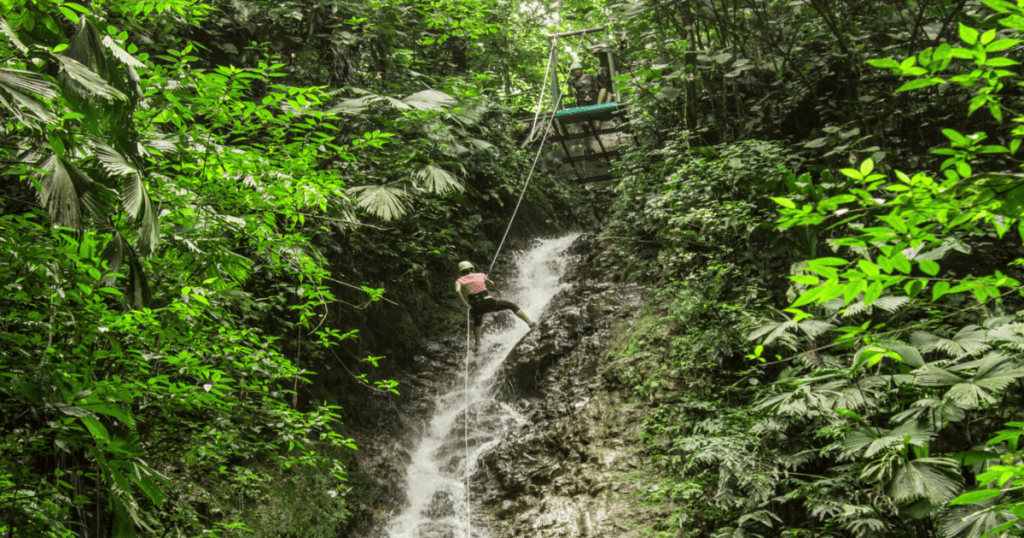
(540, 104)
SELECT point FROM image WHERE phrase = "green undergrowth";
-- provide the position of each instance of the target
(680, 367)
(274, 501)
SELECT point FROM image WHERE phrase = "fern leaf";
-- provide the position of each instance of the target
(890, 303)
(813, 327)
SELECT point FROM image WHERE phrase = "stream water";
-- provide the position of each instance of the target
(438, 469)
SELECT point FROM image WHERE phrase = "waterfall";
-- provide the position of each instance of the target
(438, 467)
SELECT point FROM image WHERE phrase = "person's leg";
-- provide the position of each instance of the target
(505, 305)
(477, 313)
(522, 315)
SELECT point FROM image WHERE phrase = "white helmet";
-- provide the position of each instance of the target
(465, 265)
(575, 65)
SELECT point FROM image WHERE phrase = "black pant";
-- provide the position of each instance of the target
(479, 307)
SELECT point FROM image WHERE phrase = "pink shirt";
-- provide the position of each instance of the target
(474, 283)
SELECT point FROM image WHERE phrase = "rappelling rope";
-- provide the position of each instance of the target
(469, 328)
(465, 423)
(525, 185)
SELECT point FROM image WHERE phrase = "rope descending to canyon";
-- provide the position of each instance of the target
(465, 423)
(469, 327)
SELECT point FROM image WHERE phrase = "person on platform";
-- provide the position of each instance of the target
(471, 287)
(588, 90)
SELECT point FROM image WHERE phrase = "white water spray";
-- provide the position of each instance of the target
(437, 474)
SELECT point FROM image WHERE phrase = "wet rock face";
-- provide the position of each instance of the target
(379, 467)
(551, 477)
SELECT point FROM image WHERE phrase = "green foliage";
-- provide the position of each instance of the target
(683, 210)
(904, 357)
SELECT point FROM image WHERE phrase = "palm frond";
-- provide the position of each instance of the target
(969, 395)
(482, 145)
(149, 230)
(87, 80)
(429, 100)
(351, 106)
(933, 376)
(59, 194)
(5, 28)
(974, 520)
(28, 81)
(39, 113)
(138, 295)
(936, 479)
(381, 200)
(124, 56)
(469, 115)
(114, 255)
(115, 164)
(437, 180)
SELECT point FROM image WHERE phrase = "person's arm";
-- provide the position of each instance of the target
(462, 296)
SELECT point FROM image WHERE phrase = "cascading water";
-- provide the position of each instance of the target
(436, 475)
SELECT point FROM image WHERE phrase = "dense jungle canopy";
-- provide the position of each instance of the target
(218, 219)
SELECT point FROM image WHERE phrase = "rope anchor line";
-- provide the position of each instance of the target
(469, 328)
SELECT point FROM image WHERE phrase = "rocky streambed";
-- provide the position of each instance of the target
(562, 465)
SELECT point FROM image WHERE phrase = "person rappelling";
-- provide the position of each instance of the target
(471, 288)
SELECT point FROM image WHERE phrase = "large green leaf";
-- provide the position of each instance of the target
(96, 428)
(936, 479)
(429, 100)
(437, 180)
(88, 82)
(66, 191)
(383, 201)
